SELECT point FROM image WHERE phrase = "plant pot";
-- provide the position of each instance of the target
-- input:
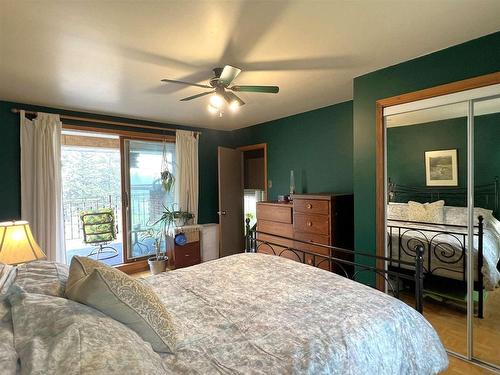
(157, 266)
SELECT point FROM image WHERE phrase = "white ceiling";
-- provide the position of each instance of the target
(109, 56)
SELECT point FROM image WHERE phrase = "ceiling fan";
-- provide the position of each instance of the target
(219, 86)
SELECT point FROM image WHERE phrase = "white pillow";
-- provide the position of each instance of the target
(397, 211)
(458, 215)
(426, 212)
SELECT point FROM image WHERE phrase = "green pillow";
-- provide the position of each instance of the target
(122, 298)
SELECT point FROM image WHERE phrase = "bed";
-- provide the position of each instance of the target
(446, 242)
(263, 314)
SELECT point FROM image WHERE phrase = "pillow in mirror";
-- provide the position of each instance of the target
(397, 211)
(426, 212)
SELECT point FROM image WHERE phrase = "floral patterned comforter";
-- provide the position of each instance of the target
(262, 314)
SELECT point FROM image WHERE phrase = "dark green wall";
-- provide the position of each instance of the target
(317, 145)
(406, 146)
(10, 200)
(474, 58)
(486, 148)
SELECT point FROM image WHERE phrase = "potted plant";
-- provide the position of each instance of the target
(158, 262)
(177, 217)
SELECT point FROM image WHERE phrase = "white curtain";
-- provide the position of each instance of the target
(186, 152)
(41, 201)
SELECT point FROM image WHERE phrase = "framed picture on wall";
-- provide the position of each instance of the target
(441, 168)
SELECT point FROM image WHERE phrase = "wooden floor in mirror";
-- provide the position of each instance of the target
(450, 323)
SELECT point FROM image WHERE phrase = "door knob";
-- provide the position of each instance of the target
(223, 212)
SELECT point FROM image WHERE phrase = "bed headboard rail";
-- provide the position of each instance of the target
(485, 196)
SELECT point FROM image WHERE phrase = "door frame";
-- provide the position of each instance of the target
(258, 146)
(136, 264)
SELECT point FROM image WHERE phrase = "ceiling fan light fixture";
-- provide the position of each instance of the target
(234, 106)
(213, 110)
(216, 101)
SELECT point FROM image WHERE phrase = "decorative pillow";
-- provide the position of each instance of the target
(42, 277)
(121, 297)
(58, 336)
(458, 215)
(397, 211)
(455, 215)
(8, 354)
(426, 212)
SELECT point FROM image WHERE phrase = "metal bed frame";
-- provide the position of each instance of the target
(253, 244)
(447, 253)
(430, 239)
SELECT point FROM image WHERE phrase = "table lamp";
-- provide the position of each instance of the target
(17, 244)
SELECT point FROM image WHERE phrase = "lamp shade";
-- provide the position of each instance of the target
(17, 244)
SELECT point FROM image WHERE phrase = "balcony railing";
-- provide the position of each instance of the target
(145, 207)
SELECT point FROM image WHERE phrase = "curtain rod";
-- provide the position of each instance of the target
(116, 123)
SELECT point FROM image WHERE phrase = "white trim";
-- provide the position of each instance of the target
(457, 97)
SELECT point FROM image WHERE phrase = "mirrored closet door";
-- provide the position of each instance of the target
(426, 167)
(441, 191)
(486, 330)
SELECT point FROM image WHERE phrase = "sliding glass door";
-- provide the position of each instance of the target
(146, 195)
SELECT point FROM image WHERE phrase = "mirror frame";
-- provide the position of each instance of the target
(449, 88)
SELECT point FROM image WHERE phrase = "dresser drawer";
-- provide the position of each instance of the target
(275, 212)
(274, 240)
(276, 249)
(310, 259)
(319, 224)
(311, 206)
(187, 255)
(312, 237)
(273, 227)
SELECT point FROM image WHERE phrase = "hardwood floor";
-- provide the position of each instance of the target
(459, 367)
(451, 325)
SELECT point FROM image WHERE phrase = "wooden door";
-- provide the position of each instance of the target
(231, 222)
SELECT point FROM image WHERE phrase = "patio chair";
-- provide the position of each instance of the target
(99, 229)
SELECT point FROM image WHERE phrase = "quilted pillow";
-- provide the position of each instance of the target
(397, 211)
(8, 354)
(43, 277)
(122, 298)
(58, 336)
(426, 212)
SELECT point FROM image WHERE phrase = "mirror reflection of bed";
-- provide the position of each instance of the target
(427, 202)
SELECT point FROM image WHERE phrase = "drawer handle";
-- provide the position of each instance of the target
(310, 262)
(186, 255)
(309, 205)
(309, 224)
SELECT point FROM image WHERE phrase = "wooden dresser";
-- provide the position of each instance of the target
(188, 254)
(321, 218)
(275, 218)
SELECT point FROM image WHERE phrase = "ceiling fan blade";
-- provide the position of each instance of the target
(265, 89)
(196, 96)
(186, 83)
(229, 73)
(231, 97)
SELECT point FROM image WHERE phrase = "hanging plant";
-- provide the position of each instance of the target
(167, 180)
(167, 175)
